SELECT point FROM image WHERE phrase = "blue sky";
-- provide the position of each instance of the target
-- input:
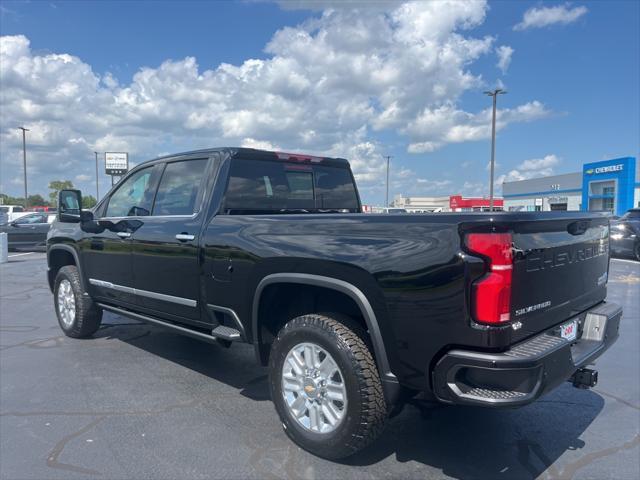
(572, 84)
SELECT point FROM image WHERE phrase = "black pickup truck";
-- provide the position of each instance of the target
(352, 312)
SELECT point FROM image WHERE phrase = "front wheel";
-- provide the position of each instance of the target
(636, 251)
(325, 386)
(77, 315)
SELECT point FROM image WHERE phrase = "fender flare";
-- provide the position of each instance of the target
(346, 288)
(76, 259)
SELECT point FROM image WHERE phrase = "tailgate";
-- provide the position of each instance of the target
(560, 269)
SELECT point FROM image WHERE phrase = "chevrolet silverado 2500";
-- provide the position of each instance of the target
(352, 312)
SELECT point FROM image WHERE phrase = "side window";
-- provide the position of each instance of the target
(179, 187)
(18, 209)
(133, 197)
(31, 219)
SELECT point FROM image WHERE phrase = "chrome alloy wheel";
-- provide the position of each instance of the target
(66, 303)
(313, 388)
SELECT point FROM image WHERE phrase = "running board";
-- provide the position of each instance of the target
(221, 332)
(226, 333)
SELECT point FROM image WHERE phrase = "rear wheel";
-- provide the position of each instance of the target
(77, 315)
(325, 386)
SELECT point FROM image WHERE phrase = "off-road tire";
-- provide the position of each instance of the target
(366, 409)
(88, 316)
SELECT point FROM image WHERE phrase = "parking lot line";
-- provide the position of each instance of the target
(20, 254)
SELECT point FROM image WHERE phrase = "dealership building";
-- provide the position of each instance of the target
(609, 185)
(449, 203)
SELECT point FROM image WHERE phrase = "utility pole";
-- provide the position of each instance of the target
(97, 188)
(494, 94)
(24, 163)
(386, 198)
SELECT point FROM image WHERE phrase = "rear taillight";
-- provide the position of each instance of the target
(491, 294)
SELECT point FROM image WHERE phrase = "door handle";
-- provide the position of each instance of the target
(183, 237)
(124, 234)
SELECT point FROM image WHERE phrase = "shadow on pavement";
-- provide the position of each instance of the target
(235, 366)
(462, 442)
(475, 442)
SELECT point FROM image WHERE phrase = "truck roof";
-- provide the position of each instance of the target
(257, 154)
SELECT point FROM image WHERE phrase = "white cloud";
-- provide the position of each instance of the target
(405, 182)
(319, 5)
(537, 164)
(448, 124)
(326, 86)
(496, 165)
(474, 189)
(532, 168)
(538, 17)
(504, 53)
(259, 144)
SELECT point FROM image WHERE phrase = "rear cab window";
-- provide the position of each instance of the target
(271, 186)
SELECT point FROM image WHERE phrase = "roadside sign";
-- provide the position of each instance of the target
(116, 163)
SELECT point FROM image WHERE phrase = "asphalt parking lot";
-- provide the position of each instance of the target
(137, 401)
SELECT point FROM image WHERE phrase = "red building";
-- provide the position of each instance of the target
(457, 203)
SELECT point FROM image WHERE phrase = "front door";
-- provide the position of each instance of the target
(106, 254)
(165, 249)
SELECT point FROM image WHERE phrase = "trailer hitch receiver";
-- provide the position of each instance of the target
(584, 378)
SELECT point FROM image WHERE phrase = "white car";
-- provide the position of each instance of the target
(12, 212)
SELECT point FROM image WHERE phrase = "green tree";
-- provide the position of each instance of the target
(9, 200)
(55, 186)
(89, 201)
(37, 200)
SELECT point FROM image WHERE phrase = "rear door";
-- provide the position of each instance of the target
(165, 252)
(560, 269)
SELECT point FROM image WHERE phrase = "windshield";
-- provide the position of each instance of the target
(4, 209)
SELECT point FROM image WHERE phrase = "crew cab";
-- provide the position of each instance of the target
(352, 312)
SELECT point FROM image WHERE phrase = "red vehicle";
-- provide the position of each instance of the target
(42, 209)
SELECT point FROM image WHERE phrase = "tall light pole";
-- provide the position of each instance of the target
(494, 94)
(24, 163)
(386, 198)
(97, 189)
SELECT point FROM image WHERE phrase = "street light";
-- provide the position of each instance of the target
(97, 190)
(494, 94)
(386, 198)
(24, 162)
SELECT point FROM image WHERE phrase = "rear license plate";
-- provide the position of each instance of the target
(569, 331)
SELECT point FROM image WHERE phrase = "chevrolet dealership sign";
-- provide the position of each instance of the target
(610, 168)
(116, 163)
